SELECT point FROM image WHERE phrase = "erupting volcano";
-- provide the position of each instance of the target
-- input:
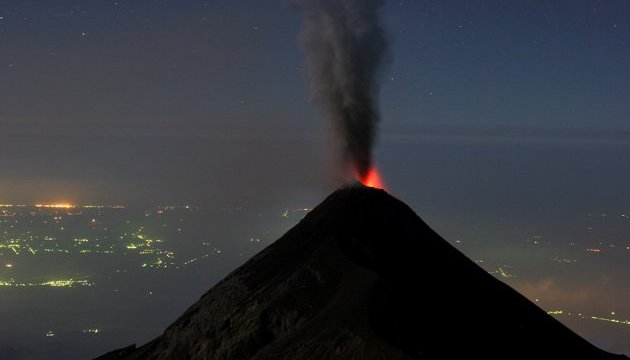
(372, 179)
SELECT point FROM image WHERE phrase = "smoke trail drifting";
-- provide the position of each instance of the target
(345, 49)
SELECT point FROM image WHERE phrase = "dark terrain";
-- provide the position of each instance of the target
(362, 277)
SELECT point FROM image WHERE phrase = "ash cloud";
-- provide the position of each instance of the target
(346, 50)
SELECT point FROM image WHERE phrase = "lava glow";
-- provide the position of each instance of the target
(372, 179)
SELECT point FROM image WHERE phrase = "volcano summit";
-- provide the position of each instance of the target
(362, 277)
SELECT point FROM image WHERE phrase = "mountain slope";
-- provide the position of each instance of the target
(362, 277)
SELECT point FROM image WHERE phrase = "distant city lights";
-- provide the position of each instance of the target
(616, 321)
(66, 283)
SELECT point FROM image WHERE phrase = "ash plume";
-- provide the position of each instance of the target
(346, 49)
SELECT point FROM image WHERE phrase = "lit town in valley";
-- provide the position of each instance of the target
(133, 257)
(148, 239)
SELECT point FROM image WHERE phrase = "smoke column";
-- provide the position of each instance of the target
(345, 48)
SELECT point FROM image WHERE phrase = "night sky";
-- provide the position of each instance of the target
(500, 119)
(93, 93)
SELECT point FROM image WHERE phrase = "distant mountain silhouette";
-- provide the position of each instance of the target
(362, 277)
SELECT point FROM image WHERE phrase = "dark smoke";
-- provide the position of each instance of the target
(345, 49)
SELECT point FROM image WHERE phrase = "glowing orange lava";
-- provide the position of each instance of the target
(372, 179)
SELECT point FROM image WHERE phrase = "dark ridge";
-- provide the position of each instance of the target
(362, 277)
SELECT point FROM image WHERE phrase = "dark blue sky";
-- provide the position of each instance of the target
(99, 98)
(550, 64)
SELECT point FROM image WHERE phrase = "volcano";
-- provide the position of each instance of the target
(362, 277)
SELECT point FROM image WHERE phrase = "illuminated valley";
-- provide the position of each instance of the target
(143, 239)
